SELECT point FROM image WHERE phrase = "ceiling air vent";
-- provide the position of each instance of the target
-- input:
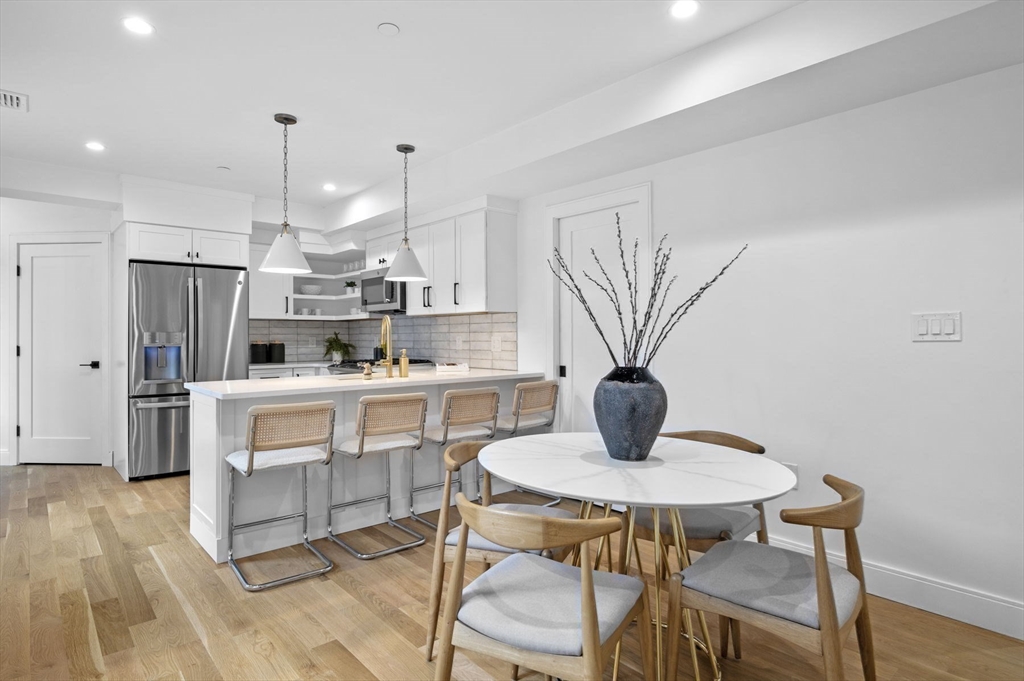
(13, 100)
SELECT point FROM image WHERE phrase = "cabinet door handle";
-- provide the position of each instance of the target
(430, 289)
(197, 255)
(425, 296)
(188, 256)
(456, 294)
(286, 304)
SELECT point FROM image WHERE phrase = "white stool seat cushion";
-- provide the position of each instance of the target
(706, 523)
(533, 603)
(377, 443)
(471, 432)
(276, 458)
(507, 421)
(475, 541)
(770, 580)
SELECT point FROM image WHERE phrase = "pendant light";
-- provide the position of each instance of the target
(285, 256)
(405, 266)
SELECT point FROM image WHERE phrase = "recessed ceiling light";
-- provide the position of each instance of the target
(684, 9)
(95, 146)
(138, 25)
(329, 187)
(388, 29)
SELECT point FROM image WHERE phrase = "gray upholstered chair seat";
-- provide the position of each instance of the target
(770, 580)
(475, 541)
(706, 523)
(505, 422)
(276, 458)
(529, 602)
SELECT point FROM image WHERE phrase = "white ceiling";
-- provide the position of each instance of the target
(201, 92)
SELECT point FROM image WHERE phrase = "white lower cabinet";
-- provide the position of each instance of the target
(270, 373)
(306, 371)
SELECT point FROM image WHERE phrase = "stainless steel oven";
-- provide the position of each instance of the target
(380, 295)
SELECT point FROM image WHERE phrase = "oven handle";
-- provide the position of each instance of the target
(160, 405)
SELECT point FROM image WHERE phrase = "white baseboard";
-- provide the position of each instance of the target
(949, 600)
(7, 458)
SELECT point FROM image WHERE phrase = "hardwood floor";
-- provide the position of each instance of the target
(101, 579)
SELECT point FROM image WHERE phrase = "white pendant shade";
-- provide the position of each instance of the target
(285, 257)
(406, 266)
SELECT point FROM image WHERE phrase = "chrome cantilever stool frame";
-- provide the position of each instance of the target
(382, 425)
(465, 415)
(529, 401)
(280, 436)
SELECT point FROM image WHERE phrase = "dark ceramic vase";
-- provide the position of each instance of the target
(630, 407)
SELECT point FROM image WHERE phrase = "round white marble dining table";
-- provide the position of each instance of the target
(676, 474)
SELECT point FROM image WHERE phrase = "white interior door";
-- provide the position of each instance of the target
(582, 226)
(62, 318)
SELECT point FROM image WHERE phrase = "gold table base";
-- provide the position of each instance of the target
(683, 558)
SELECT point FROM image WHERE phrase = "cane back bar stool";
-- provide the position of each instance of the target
(478, 549)
(278, 436)
(465, 415)
(533, 406)
(705, 527)
(806, 599)
(382, 425)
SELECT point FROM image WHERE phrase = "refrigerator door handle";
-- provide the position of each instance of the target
(190, 338)
(200, 324)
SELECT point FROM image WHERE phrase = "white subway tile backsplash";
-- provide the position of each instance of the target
(422, 337)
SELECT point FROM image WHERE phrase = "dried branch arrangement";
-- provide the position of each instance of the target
(643, 331)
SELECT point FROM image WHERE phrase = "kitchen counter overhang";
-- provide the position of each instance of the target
(217, 428)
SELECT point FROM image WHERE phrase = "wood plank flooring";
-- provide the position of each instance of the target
(100, 579)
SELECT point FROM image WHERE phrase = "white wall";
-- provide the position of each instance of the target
(17, 217)
(854, 222)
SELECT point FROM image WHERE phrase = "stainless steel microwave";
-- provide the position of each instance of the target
(380, 295)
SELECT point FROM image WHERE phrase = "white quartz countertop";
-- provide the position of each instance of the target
(240, 390)
(290, 365)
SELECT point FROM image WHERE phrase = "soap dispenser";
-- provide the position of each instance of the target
(403, 365)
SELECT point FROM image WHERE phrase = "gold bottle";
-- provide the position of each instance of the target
(403, 365)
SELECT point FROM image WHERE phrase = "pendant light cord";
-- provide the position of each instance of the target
(285, 126)
(406, 203)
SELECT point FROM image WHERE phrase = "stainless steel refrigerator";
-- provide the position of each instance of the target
(185, 324)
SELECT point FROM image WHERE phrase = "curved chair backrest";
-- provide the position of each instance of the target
(842, 515)
(714, 437)
(467, 407)
(283, 426)
(523, 531)
(388, 414)
(535, 397)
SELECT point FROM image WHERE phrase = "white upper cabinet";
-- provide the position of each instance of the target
(220, 248)
(469, 260)
(156, 242)
(416, 291)
(269, 293)
(181, 245)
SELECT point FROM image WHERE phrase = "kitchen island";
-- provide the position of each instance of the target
(217, 427)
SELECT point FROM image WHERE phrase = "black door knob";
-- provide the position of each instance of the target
(95, 364)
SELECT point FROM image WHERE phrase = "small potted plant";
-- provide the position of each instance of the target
(350, 287)
(338, 349)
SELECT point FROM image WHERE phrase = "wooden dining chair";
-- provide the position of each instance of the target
(478, 549)
(546, 616)
(809, 600)
(705, 527)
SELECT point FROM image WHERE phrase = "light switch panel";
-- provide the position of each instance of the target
(935, 326)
